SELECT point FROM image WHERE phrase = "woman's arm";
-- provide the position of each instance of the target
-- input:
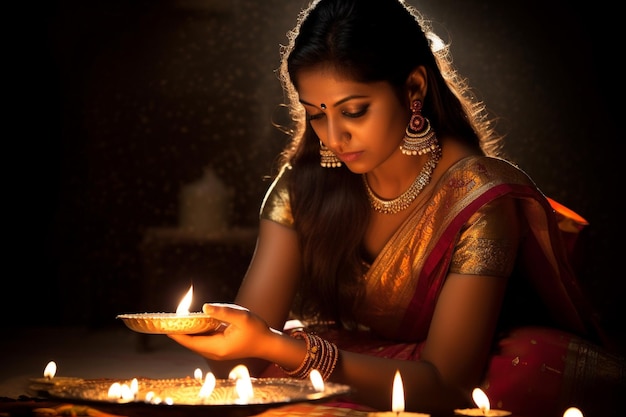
(453, 358)
(271, 282)
(452, 362)
(268, 289)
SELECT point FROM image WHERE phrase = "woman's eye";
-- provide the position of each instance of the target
(355, 114)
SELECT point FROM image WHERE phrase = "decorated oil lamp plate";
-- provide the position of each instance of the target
(171, 323)
(186, 393)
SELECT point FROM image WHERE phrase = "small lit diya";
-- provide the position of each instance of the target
(484, 407)
(42, 385)
(181, 322)
(170, 323)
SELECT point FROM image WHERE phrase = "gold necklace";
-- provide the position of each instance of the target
(404, 200)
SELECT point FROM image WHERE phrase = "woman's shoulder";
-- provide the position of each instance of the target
(483, 169)
(276, 205)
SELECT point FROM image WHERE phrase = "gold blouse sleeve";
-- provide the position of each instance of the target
(276, 206)
(488, 243)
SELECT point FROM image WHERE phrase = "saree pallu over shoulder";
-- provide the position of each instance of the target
(413, 265)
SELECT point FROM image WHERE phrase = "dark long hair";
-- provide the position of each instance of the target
(367, 41)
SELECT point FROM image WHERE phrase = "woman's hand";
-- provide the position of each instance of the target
(245, 336)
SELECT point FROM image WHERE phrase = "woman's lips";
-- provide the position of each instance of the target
(349, 156)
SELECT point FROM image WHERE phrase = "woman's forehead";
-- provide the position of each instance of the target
(330, 86)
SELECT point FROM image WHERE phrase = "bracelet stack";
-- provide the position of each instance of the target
(320, 354)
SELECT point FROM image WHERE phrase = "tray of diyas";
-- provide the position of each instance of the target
(171, 323)
(185, 395)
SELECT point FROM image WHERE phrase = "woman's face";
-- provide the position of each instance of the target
(363, 124)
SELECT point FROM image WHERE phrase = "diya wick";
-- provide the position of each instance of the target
(484, 408)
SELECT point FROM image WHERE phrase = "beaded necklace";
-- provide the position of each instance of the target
(404, 200)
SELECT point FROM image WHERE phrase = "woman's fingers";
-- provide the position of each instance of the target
(228, 313)
(236, 340)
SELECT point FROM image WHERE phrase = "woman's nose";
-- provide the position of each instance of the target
(336, 135)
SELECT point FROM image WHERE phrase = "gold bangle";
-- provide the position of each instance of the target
(301, 371)
(320, 354)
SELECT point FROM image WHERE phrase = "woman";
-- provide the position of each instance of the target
(401, 241)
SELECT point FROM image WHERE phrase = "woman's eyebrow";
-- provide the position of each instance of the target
(343, 100)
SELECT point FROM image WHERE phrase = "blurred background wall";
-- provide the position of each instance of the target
(115, 105)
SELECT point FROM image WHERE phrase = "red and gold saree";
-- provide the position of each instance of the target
(534, 370)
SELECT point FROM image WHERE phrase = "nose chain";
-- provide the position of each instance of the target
(404, 200)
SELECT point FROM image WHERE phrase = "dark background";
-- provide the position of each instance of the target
(114, 105)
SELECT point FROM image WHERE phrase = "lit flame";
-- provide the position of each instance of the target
(115, 390)
(124, 392)
(127, 393)
(149, 396)
(197, 374)
(317, 380)
(481, 400)
(243, 384)
(152, 398)
(573, 412)
(239, 372)
(183, 307)
(134, 387)
(50, 370)
(208, 386)
(397, 398)
(244, 390)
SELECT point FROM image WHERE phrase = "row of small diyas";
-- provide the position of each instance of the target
(480, 399)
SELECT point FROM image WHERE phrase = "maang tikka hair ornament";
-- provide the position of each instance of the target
(327, 158)
(419, 138)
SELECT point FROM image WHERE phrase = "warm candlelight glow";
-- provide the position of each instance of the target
(152, 398)
(181, 322)
(573, 412)
(208, 386)
(317, 380)
(183, 307)
(397, 397)
(197, 374)
(123, 392)
(127, 393)
(115, 390)
(239, 389)
(239, 372)
(397, 401)
(134, 387)
(50, 370)
(484, 407)
(481, 400)
(243, 383)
